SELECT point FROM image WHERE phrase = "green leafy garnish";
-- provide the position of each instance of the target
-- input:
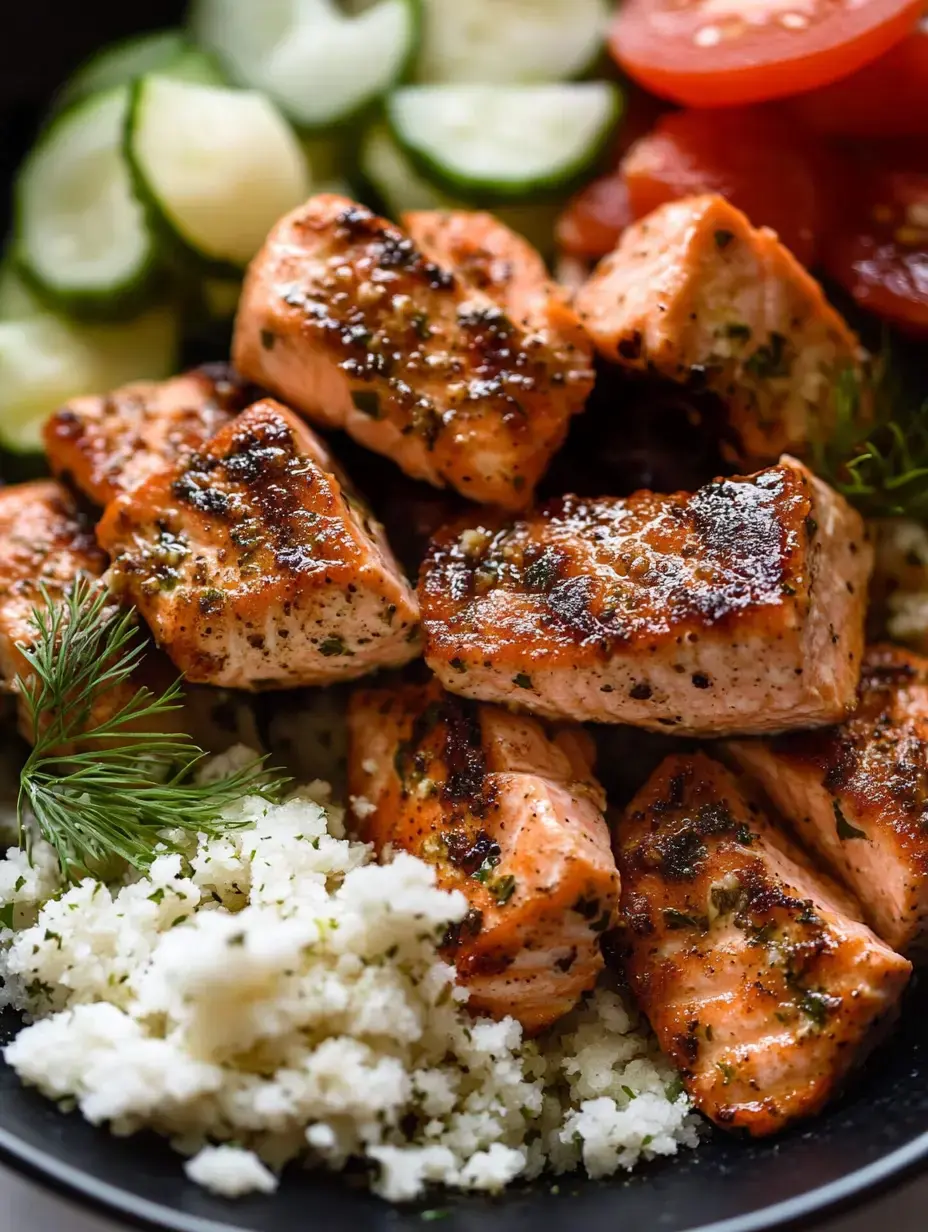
(100, 781)
(727, 1071)
(677, 919)
(879, 461)
(843, 827)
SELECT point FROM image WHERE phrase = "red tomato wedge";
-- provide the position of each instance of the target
(594, 219)
(752, 155)
(755, 157)
(888, 98)
(720, 53)
(597, 215)
(880, 253)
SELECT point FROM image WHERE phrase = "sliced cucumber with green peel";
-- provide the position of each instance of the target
(401, 186)
(398, 183)
(320, 63)
(163, 51)
(17, 300)
(81, 235)
(216, 167)
(45, 360)
(510, 41)
(498, 143)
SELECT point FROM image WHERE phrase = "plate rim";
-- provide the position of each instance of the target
(70, 1182)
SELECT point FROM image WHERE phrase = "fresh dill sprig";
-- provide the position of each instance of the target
(103, 779)
(878, 461)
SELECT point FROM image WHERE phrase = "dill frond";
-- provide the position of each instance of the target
(878, 462)
(108, 781)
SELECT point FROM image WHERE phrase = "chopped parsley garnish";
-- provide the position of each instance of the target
(367, 401)
(723, 238)
(843, 826)
(770, 360)
(522, 680)
(486, 868)
(675, 1087)
(677, 919)
(503, 889)
(818, 1006)
(738, 330)
(333, 645)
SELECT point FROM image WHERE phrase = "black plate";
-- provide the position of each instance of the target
(876, 1135)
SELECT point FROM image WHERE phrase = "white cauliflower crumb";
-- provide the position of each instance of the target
(362, 807)
(230, 1171)
(278, 993)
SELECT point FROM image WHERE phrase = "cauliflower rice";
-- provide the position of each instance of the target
(279, 995)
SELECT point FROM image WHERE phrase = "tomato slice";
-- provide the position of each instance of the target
(719, 53)
(597, 215)
(594, 219)
(886, 98)
(880, 254)
(753, 156)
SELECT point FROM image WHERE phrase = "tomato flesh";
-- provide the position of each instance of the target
(886, 98)
(597, 215)
(752, 156)
(595, 218)
(881, 254)
(719, 53)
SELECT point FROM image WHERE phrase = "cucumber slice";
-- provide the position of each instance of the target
(502, 142)
(17, 301)
(510, 41)
(163, 51)
(46, 360)
(400, 186)
(398, 183)
(81, 235)
(217, 167)
(319, 63)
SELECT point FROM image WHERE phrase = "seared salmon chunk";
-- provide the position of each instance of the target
(507, 812)
(255, 565)
(44, 542)
(697, 294)
(443, 351)
(738, 608)
(760, 982)
(107, 445)
(857, 794)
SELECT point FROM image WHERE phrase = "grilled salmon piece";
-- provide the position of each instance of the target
(465, 379)
(858, 794)
(507, 812)
(761, 984)
(110, 444)
(697, 294)
(256, 566)
(735, 609)
(44, 542)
